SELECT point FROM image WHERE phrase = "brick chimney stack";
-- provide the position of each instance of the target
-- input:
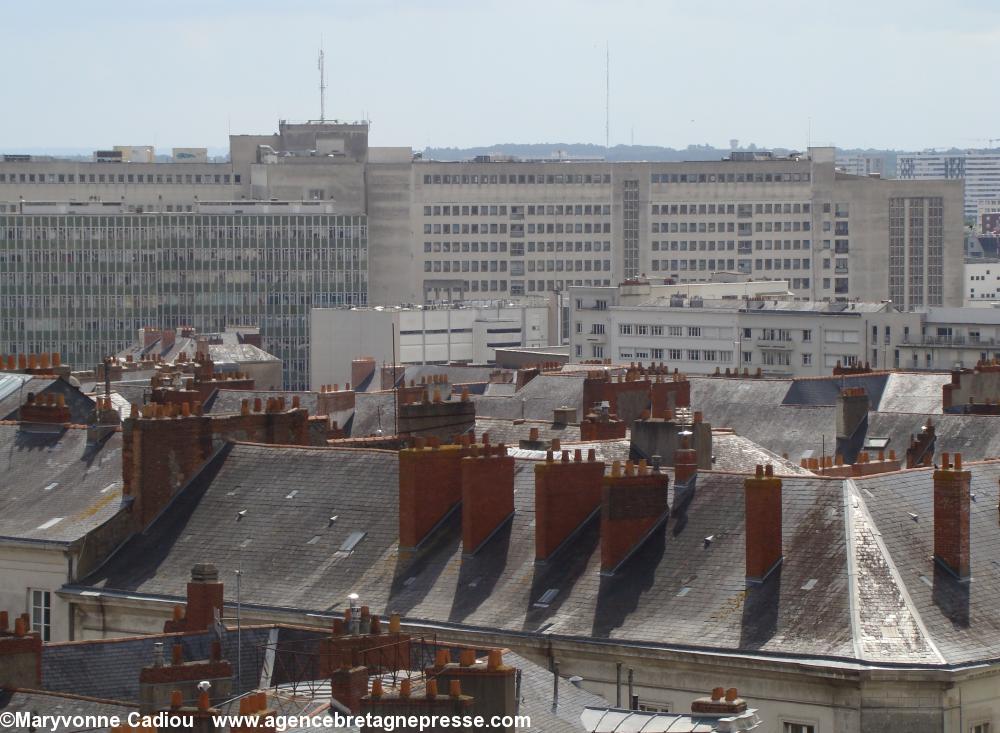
(44, 409)
(430, 486)
(633, 505)
(567, 494)
(951, 516)
(487, 495)
(763, 523)
(204, 601)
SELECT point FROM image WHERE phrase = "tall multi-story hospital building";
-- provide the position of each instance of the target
(312, 216)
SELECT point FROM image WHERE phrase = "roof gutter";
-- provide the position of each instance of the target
(847, 663)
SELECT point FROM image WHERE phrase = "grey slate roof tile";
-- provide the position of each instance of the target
(500, 585)
(47, 703)
(963, 618)
(110, 668)
(49, 476)
(537, 400)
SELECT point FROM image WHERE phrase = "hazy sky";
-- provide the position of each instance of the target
(905, 74)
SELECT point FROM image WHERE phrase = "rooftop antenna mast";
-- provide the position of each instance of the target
(322, 83)
(607, 98)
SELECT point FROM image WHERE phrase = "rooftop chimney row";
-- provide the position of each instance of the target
(567, 495)
(634, 504)
(487, 494)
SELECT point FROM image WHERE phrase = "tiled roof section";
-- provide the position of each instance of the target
(961, 618)
(110, 668)
(53, 486)
(739, 404)
(537, 400)
(732, 452)
(500, 389)
(292, 557)
(14, 390)
(914, 392)
(511, 432)
(976, 437)
(238, 353)
(604, 450)
(47, 703)
(80, 405)
(230, 350)
(824, 391)
(536, 698)
(372, 410)
(455, 374)
(887, 627)
(230, 401)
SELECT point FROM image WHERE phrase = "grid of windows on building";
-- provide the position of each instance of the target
(525, 243)
(83, 285)
(696, 227)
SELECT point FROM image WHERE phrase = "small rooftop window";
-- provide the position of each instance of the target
(352, 540)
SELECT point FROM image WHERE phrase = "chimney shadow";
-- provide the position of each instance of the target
(951, 596)
(562, 573)
(681, 500)
(619, 594)
(416, 574)
(479, 573)
(761, 607)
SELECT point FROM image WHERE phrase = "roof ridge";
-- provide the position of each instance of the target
(897, 579)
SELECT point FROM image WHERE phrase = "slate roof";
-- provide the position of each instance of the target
(372, 409)
(230, 350)
(230, 401)
(80, 405)
(294, 559)
(732, 452)
(536, 698)
(110, 668)
(511, 433)
(57, 476)
(976, 437)
(739, 404)
(914, 392)
(537, 400)
(962, 618)
(825, 391)
(49, 703)
(14, 390)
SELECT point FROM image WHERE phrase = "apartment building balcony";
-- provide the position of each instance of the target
(949, 341)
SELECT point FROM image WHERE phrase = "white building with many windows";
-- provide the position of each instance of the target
(779, 336)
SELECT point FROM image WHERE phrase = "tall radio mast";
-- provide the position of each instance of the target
(322, 85)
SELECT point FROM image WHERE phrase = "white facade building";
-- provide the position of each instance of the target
(982, 284)
(699, 335)
(469, 334)
(953, 338)
(979, 169)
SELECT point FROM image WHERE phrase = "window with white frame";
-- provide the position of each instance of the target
(41, 613)
(792, 727)
(676, 330)
(980, 727)
(625, 329)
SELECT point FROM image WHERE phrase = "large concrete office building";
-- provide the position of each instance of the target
(407, 230)
(979, 170)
